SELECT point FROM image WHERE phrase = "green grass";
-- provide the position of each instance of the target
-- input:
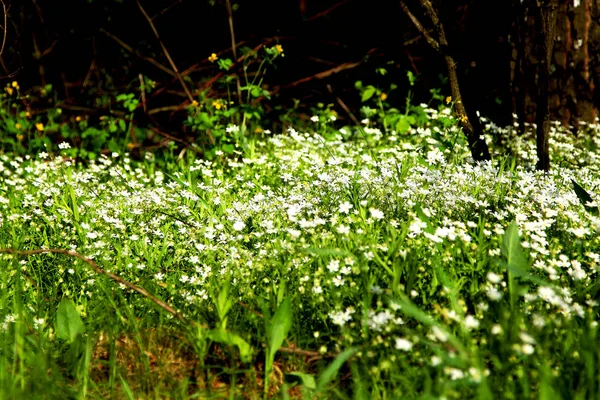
(379, 266)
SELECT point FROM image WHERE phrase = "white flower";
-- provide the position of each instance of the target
(343, 229)
(527, 349)
(439, 334)
(493, 293)
(314, 118)
(64, 146)
(493, 278)
(338, 281)
(496, 329)
(376, 214)
(341, 317)
(232, 128)
(471, 322)
(345, 207)
(239, 225)
(403, 344)
(333, 266)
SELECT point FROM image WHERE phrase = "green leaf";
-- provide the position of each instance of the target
(231, 339)
(280, 326)
(306, 380)
(585, 198)
(403, 125)
(228, 148)
(331, 371)
(511, 248)
(68, 322)
(368, 93)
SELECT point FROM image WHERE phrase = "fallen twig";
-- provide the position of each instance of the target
(292, 349)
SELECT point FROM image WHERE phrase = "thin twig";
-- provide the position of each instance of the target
(292, 349)
(320, 75)
(434, 43)
(143, 92)
(324, 13)
(97, 269)
(233, 48)
(137, 53)
(5, 27)
(164, 48)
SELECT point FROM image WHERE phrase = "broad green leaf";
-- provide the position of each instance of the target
(513, 251)
(68, 322)
(368, 93)
(280, 326)
(585, 198)
(331, 371)
(231, 339)
(306, 380)
(403, 125)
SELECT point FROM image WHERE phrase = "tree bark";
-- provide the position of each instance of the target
(574, 66)
(547, 24)
(468, 122)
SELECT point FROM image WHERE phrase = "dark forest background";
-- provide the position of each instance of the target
(96, 49)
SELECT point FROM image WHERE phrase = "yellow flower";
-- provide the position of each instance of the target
(217, 105)
(20, 137)
(28, 114)
(9, 90)
(78, 118)
(279, 48)
(39, 126)
(464, 118)
(195, 103)
(383, 96)
(258, 129)
(448, 99)
(18, 125)
(15, 84)
(213, 57)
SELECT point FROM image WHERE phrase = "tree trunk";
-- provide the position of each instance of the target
(574, 66)
(546, 21)
(469, 123)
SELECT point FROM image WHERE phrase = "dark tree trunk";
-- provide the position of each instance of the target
(469, 123)
(574, 66)
(546, 22)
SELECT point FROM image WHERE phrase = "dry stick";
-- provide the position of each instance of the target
(324, 13)
(4, 27)
(71, 253)
(166, 9)
(137, 53)
(99, 270)
(233, 48)
(320, 75)
(143, 91)
(164, 48)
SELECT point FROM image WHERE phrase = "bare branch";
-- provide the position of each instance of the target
(5, 26)
(434, 43)
(137, 53)
(101, 271)
(233, 48)
(166, 52)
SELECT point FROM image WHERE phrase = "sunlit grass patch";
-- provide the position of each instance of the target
(379, 265)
